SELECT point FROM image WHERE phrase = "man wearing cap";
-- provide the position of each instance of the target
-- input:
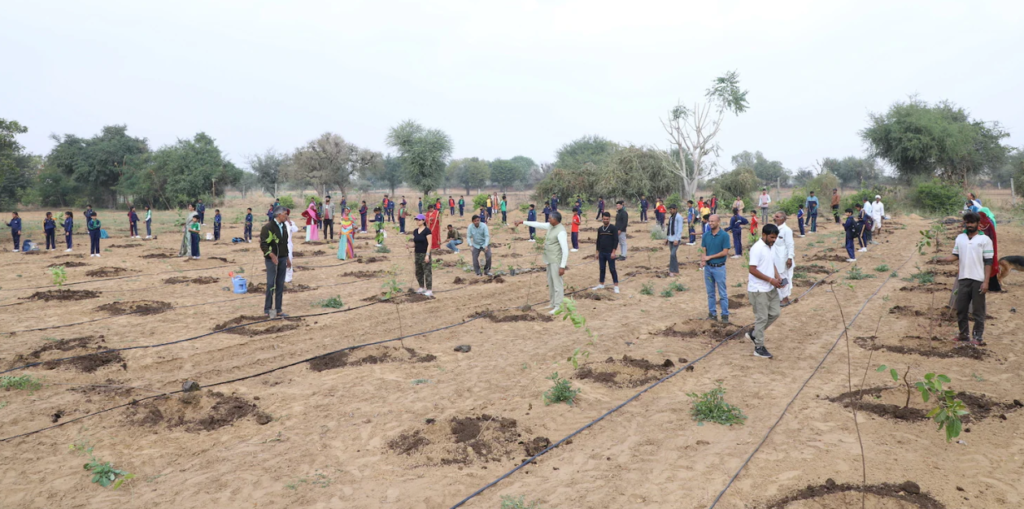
(479, 238)
(556, 255)
(764, 201)
(878, 214)
(274, 245)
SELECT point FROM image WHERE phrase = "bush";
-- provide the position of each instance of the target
(675, 199)
(312, 197)
(561, 392)
(791, 204)
(657, 233)
(858, 198)
(287, 201)
(740, 182)
(479, 201)
(711, 407)
(938, 197)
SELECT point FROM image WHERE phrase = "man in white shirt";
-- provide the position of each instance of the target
(784, 252)
(878, 214)
(975, 253)
(762, 288)
(556, 255)
(764, 201)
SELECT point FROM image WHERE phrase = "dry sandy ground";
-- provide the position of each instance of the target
(425, 427)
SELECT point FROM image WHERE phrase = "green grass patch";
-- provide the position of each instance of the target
(561, 392)
(711, 407)
(20, 383)
(333, 302)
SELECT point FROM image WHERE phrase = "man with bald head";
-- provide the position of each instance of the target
(784, 252)
(714, 251)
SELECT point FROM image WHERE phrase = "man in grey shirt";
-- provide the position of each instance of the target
(328, 217)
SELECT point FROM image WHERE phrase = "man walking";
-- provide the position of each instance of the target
(736, 223)
(621, 220)
(479, 240)
(762, 288)
(556, 255)
(607, 242)
(673, 237)
(715, 246)
(976, 253)
(877, 214)
(328, 217)
(811, 204)
(785, 257)
(835, 204)
(274, 245)
(764, 201)
(600, 208)
(462, 204)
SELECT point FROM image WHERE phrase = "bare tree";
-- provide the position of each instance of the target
(692, 131)
(328, 161)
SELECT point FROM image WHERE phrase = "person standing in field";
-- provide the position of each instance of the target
(462, 204)
(644, 205)
(575, 230)
(554, 203)
(504, 210)
(784, 250)
(753, 223)
(600, 208)
(490, 207)
(311, 219)
(835, 204)
(736, 223)
(434, 225)
(621, 221)
(877, 214)
(763, 285)
(976, 254)
(763, 201)
(714, 204)
(69, 227)
(362, 217)
(50, 230)
(659, 213)
(186, 241)
(292, 230)
(133, 224)
(738, 204)
(800, 220)
(421, 237)
(531, 215)
(547, 212)
(556, 255)
(851, 231)
(812, 212)
(328, 218)
(715, 247)
(673, 236)
(607, 242)
(346, 235)
(451, 205)
(479, 238)
(149, 222)
(274, 238)
(201, 212)
(194, 231)
(402, 214)
(691, 221)
(94, 227)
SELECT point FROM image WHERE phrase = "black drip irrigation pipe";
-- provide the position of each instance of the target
(614, 409)
(803, 385)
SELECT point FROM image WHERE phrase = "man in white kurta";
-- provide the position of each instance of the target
(785, 256)
(556, 255)
(877, 214)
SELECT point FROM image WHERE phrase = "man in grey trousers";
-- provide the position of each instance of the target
(479, 238)
(621, 221)
(274, 246)
(763, 288)
(556, 255)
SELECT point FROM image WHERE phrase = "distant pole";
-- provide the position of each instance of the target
(1013, 194)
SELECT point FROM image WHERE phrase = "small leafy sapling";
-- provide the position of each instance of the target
(896, 378)
(561, 392)
(948, 409)
(393, 288)
(567, 310)
(59, 275)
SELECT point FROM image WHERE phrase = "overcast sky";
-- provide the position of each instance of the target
(502, 78)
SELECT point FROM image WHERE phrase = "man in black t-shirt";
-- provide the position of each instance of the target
(621, 220)
(607, 243)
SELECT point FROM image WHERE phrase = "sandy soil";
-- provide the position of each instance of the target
(414, 424)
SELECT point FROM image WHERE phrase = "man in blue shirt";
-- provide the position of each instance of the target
(673, 237)
(479, 238)
(554, 202)
(715, 247)
(247, 235)
(812, 211)
(736, 223)
(644, 205)
(201, 211)
(15, 225)
(600, 207)
(532, 216)
(691, 217)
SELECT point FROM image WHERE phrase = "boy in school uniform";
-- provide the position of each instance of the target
(94, 234)
(133, 223)
(194, 237)
(531, 215)
(69, 226)
(462, 204)
(483, 215)
(216, 224)
(378, 222)
(691, 220)
(15, 225)
(50, 229)
(851, 231)
(547, 212)
(800, 219)
(753, 223)
(247, 234)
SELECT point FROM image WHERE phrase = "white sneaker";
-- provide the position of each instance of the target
(553, 311)
(862, 250)
(15, 250)
(734, 256)
(802, 236)
(428, 293)
(598, 287)
(851, 260)
(531, 240)
(616, 289)
(149, 236)
(420, 290)
(573, 250)
(68, 250)
(689, 243)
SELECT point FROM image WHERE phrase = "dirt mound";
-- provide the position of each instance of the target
(108, 272)
(626, 372)
(828, 258)
(929, 288)
(89, 363)
(66, 345)
(124, 246)
(62, 295)
(593, 295)
(373, 259)
(463, 441)
(646, 249)
(737, 301)
(506, 316)
(369, 355)
(194, 411)
(363, 274)
(303, 254)
(159, 256)
(814, 269)
(941, 314)
(70, 256)
(68, 265)
(939, 352)
(477, 281)
(258, 329)
(138, 307)
(832, 494)
(868, 403)
(201, 280)
(717, 331)
(905, 311)
(288, 287)
(982, 407)
(110, 388)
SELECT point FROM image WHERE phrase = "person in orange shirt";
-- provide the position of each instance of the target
(753, 222)
(575, 230)
(659, 214)
(700, 203)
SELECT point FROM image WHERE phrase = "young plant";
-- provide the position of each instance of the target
(948, 409)
(882, 268)
(647, 289)
(510, 502)
(561, 392)
(667, 293)
(567, 310)
(575, 357)
(711, 407)
(104, 474)
(60, 276)
(392, 289)
(676, 286)
(856, 274)
(20, 383)
(896, 378)
(436, 264)
(928, 237)
(333, 302)
(382, 249)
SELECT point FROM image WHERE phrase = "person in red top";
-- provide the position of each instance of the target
(714, 204)
(434, 223)
(451, 205)
(700, 203)
(575, 230)
(753, 222)
(659, 213)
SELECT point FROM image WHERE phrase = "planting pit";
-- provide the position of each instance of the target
(888, 402)
(303, 254)
(159, 256)
(67, 265)
(717, 331)
(89, 363)
(462, 441)
(927, 288)
(201, 280)
(288, 287)
(814, 269)
(369, 355)
(477, 281)
(194, 411)
(108, 272)
(507, 316)
(624, 373)
(828, 258)
(363, 274)
(879, 496)
(63, 295)
(373, 259)
(737, 301)
(138, 307)
(593, 295)
(261, 329)
(968, 351)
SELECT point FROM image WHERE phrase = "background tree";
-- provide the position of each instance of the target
(919, 139)
(184, 172)
(740, 182)
(269, 169)
(423, 152)
(470, 173)
(853, 171)
(693, 130)
(505, 173)
(327, 161)
(568, 182)
(592, 149)
(15, 164)
(526, 165)
(98, 163)
(636, 171)
(802, 176)
(768, 172)
(393, 172)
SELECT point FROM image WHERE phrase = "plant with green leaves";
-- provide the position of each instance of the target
(561, 392)
(510, 502)
(59, 275)
(20, 383)
(436, 264)
(332, 302)
(856, 274)
(382, 249)
(711, 407)
(928, 237)
(676, 286)
(948, 410)
(104, 473)
(882, 268)
(647, 289)
(922, 277)
(896, 378)
(666, 293)
(568, 311)
(574, 359)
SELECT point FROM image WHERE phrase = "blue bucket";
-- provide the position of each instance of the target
(240, 284)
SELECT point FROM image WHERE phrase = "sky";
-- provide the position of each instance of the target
(502, 78)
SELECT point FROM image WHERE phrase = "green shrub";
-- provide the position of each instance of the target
(510, 502)
(791, 204)
(312, 197)
(882, 268)
(938, 197)
(287, 201)
(858, 198)
(711, 407)
(676, 286)
(561, 392)
(673, 198)
(667, 293)
(647, 289)
(333, 302)
(479, 201)
(20, 383)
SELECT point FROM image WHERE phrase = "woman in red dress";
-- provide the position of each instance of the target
(434, 223)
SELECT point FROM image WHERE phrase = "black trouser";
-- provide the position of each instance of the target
(202, 216)
(133, 228)
(195, 244)
(599, 212)
(835, 213)
(149, 228)
(51, 239)
(643, 214)
(94, 242)
(401, 225)
(248, 232)
(451, 210)
(504, 216)
(328, 225)
(606, 259)
(17, 241)
(67, 237)
(216, 231)
(460, 210)
(968, 295)
(275, 282)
